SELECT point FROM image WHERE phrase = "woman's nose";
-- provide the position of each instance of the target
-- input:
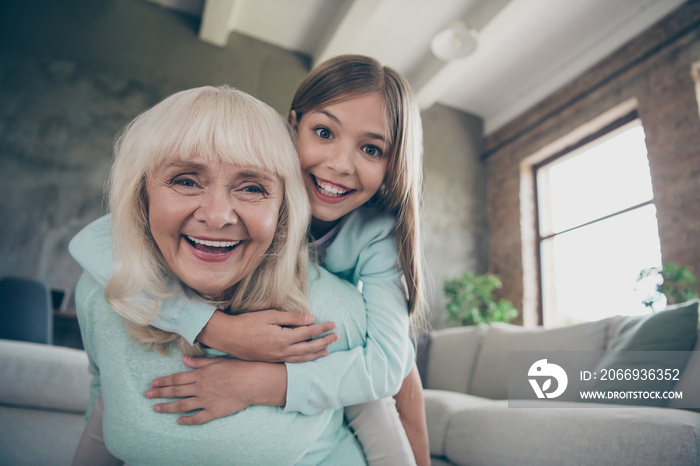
(217, 209)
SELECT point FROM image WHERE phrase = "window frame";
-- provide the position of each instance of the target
(535, 167)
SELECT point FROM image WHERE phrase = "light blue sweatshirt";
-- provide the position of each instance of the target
(364, 251)
(133, 432)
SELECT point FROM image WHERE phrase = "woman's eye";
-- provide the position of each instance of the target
(323, 133)
(372, 151)
(255, 189)
(184, 181)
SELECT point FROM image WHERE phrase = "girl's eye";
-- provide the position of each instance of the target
(323, 133)
(372, 151)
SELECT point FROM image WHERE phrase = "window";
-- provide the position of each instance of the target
(597, 226)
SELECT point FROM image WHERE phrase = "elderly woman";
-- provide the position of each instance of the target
(206, 195)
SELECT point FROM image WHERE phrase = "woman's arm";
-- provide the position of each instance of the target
(91, 449)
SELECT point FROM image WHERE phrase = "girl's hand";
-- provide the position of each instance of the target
(219, 387)
(268, 336)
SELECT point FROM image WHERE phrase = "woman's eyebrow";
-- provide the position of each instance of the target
(184, 164)
(253, 174)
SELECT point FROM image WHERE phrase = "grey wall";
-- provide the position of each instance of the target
(74, 72)
(456, 237)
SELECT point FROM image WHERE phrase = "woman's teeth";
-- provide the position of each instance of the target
(213, 244)
(330, 190)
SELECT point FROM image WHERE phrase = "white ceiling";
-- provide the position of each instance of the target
(526, 50)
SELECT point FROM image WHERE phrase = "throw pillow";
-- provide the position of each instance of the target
(669, 334)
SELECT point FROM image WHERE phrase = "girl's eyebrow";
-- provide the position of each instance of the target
(368, 134)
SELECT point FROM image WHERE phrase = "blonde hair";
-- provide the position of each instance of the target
(218, 124)
(347, 76)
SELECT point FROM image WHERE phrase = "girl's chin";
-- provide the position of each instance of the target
(323, 218)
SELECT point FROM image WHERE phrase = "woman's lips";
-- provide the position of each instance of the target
(211, 250)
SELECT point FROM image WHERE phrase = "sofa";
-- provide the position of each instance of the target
(472, 421)
(45, 391)
(43, 397)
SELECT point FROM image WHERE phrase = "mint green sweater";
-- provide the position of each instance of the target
(364, 251)
(259, 435)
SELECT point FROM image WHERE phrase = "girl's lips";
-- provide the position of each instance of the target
(330, 192)
(210, 251)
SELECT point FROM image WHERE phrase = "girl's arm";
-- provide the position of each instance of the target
(261, 336)
(219, 386)
(365, 254)
(365, 250)
(269, 336)
(223, 386)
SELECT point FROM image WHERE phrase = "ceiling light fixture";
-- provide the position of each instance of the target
(454, 41)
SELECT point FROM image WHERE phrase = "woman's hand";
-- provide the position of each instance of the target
(268, 336)
(219, 387)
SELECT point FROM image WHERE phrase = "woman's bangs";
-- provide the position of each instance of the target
(252, 139)
(224, 128)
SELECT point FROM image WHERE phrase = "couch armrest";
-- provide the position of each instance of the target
(440, 406)
(44, 376)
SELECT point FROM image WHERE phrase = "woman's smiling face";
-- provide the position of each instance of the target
(344, 156)
(212, 221)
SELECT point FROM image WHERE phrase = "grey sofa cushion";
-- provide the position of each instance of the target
(670, 334)
(490, 378)
(44, 377)
(451, 357)
(43, 396)
(495, 434)
(30, 437)
(690, 382)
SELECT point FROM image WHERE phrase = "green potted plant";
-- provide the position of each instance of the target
(471, 301)
(671, 282)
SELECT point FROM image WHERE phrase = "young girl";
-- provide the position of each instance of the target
(359, 141)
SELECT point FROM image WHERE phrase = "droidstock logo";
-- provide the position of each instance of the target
(543, 370)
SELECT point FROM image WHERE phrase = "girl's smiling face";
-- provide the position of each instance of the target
(343, 150)
(212, 221)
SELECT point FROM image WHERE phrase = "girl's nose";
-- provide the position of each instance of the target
(217, 209)
(341, 159)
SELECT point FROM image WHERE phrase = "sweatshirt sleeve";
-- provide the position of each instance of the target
(92, 248)
(84, 291)
(364, 252)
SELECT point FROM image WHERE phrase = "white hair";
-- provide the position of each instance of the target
(218, 124)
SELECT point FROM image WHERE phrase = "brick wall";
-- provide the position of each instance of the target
(652, 73)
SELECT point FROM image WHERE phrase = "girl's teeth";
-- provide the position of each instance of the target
(330, 189)
(214, 244)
